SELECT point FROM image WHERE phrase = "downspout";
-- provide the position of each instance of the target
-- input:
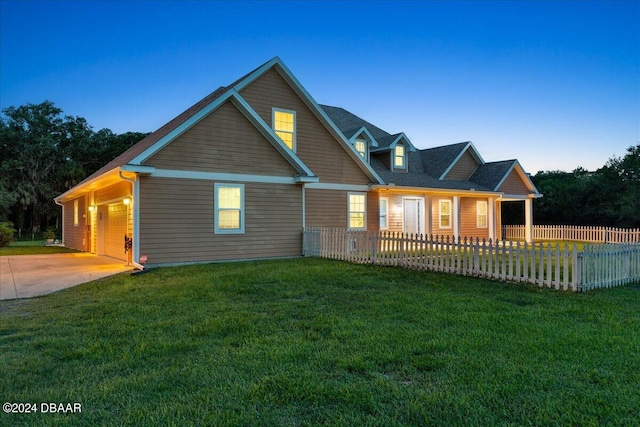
(135, 221)
(61, 222)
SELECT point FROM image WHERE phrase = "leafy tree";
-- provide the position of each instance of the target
(43, 154)
(609, 196)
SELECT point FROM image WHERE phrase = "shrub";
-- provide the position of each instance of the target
(6, 233)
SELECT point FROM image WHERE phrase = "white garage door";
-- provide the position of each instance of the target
(113, 221)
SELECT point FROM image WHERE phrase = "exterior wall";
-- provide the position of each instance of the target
(464, 168)
(469, 221)
(223, 141)
(373, 211)
(177, 222)
(384, 157)
(315, 146)
(75, 235)
(113, 192)
(326, 208)
(394, 213)
(513, 184)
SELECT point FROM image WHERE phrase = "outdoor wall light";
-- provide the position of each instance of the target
(92, 208)
(126, 201)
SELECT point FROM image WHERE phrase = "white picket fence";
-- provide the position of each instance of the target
(559, 266)
(574, 233)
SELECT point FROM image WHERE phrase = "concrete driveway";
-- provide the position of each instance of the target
(26, 276)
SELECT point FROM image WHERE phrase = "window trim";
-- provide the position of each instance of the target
(486, 214)
(216, 203)
(403, 156)
(349, 212)
(385, 214)
(273, 126)
(440, 203)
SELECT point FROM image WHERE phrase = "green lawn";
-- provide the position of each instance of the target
(319, 342)
(29, 247)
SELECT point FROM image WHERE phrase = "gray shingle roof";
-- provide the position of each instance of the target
(425, 166)
(349, 122)
(436, 160)
(490, 174)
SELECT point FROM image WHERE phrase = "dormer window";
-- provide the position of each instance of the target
(399, 157)
(284, 125)
(361, 147)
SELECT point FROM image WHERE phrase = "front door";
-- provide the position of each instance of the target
(413, 216)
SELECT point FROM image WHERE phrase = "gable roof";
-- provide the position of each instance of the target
(429, 167)
(145, 148)
(438, 160)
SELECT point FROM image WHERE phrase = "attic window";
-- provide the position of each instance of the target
(361, 147)
(398, 157)
(284, 125)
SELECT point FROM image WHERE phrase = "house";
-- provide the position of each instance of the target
(241, 173)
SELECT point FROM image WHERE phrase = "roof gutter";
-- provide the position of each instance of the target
(435, 190)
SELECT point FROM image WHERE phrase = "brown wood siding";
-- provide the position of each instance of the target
(326, 208)
(469, 220)
(74, 235)
(464, 168)
(514, 184)
(315, 146)
(177, 217)
(373, 211)
(223, 141)
(395, 212)
(384, 157)
(113, 192)
(435, 217)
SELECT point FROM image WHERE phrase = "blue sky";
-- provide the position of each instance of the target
(555, 84)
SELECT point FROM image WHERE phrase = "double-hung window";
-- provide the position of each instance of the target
(399, 157)
(357, 211)
(481, 214)
(445, 213)
(284, 125)
(228, 208)
(361, 147)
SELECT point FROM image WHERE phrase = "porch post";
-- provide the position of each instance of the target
(491, 219)
(428, 226)
(528, 220)
(456, 217)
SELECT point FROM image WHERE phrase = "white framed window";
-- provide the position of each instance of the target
(361, 147)
(357, 210)
(399, 157)
(75, 213)
(284, 125)
(481, 214)
(384, 213)
(228, 208)
(444, 209)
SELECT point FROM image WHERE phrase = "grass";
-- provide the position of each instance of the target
(30, 247)
(319, 342)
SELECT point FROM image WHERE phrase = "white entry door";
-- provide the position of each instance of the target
(413, 215)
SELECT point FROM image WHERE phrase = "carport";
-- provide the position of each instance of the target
(25, 276)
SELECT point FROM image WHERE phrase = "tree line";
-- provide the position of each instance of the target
(609, 196)
(44, 153)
